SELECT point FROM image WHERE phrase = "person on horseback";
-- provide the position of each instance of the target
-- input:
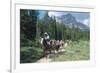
(46, 44)
(47, 38)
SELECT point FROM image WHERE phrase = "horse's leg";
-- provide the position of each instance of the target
(50, 52)
(44, 52)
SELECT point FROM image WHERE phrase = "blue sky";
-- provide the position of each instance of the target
(41, 13)
(83, 17)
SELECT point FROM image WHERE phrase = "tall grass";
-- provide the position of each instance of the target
(30, 54)
(75, 51)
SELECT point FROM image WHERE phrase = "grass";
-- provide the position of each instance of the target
(30, 54)
(75, 51)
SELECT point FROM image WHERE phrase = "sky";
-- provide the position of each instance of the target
(41, 13)
(83, 17)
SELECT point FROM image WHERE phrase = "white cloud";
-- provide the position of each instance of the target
(86, 22)
(51, 13)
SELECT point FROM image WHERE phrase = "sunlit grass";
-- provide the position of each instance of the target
(75, 51)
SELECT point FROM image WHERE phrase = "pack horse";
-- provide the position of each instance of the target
(51, 46)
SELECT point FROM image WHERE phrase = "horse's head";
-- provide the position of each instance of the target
(61, 42)
(52, 42)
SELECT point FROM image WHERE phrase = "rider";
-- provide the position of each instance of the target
(47, 38)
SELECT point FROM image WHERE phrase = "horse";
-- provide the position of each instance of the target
(46, 47)
(56, 46)
(52, 47)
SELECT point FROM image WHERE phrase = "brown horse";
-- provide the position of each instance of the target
(56, 46)
(46, 48)
(51, 47)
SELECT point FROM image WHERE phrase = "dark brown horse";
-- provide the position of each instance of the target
(51, 47)
(46, 48)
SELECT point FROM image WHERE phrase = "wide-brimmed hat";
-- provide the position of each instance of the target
(46, 33)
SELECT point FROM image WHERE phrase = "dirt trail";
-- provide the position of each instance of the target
(44, 60)
(47, 60)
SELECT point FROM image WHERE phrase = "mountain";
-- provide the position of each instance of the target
(69, 20)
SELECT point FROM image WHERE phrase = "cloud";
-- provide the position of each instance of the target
(51, 13)
(86, 22)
